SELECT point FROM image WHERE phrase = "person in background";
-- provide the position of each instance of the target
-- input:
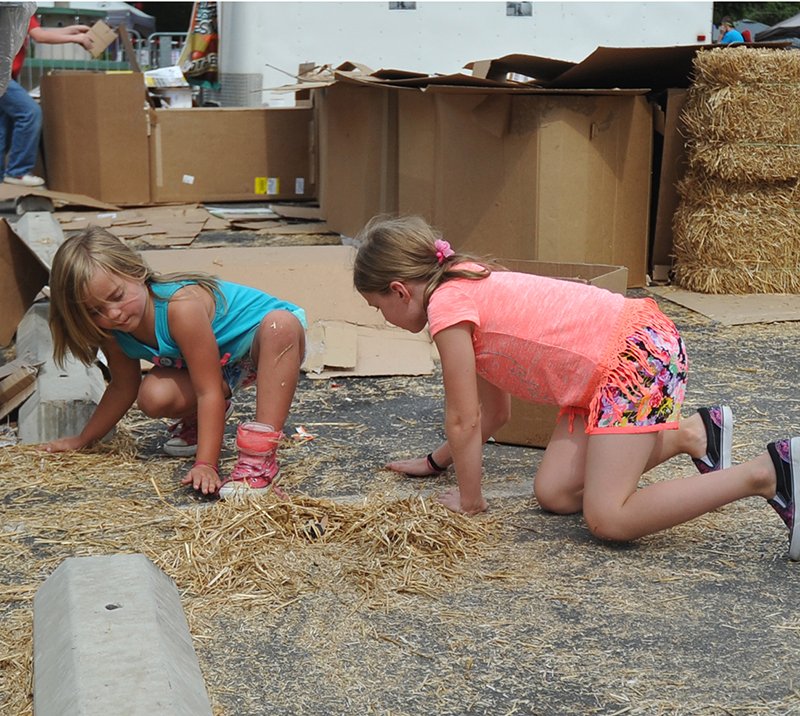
(728, 33)
(616, 366)
(20, 115)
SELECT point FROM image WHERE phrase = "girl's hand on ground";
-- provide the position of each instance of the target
(203, 478)
(416, 467)
(452, 501)
(62, 445)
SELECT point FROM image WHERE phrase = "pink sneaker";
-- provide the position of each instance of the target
(183, 434)
(256, 469)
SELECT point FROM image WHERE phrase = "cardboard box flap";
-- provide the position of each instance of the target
(22, 276)
(612, 278)
(393, 74)
(543, 69)
(607, 67)
(531, 90)
(654, 67)
(336, 349)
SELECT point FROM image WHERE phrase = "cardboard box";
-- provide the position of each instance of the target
(103, 140)
(231, 154)
(17, 384)
(357, 130)
(102, 36)
(95, 133)
(22, 276)
(532, 424)
(345, 336)
(548, 177)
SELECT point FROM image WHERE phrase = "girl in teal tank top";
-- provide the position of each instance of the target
(205, 338)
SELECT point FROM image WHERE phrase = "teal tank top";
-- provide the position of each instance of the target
(239, 311)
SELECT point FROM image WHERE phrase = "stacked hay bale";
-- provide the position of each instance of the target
(737, 228)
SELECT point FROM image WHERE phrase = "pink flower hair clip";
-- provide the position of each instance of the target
(443, 250)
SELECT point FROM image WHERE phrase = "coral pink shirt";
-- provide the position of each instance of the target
(541, 339)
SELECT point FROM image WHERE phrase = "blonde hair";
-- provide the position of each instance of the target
(404, 249)
(74, 264)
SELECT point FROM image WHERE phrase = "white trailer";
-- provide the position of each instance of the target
(263, 43)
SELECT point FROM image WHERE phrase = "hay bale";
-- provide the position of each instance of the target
(737, 228)
(729, 66)
(737, 237)
(742, 114)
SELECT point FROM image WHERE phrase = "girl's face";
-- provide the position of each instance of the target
(116, 302)
(401, 305)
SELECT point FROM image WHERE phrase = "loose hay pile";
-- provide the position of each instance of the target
(737, 229)
(259, 554)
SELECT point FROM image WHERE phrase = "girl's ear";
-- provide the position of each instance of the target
(400, 289)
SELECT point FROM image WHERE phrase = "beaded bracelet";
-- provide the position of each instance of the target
(433, 464)
(202, 463)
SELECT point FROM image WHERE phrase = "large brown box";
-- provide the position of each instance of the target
(102, 139)
(96, 135)
(547, 177)
(231, 154)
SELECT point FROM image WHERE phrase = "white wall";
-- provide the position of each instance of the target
(439, 37)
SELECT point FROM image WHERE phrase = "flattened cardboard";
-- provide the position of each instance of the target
(297, 211)
(22, 276)
(345, 349)
(59, 199)
(733, 310)
(320, 280)
(532, 424)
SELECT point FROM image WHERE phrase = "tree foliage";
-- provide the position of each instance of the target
(767, 12)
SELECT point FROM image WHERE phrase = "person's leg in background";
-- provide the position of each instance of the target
(23, 118)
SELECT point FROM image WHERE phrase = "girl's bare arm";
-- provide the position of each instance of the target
(119, 396)
(463, 424)
(189, 316)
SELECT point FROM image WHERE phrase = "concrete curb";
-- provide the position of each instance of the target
(64, 399)
(110, 637)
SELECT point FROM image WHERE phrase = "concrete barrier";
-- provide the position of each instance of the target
(66, 397)
(110, 638)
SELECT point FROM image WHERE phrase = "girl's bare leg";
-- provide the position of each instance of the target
(278, 351)
(559, 482)
(168, 393)
(615, 509)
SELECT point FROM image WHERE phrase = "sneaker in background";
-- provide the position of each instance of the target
(25, 180)
(718, 422)
(183, 434)
(785, 456)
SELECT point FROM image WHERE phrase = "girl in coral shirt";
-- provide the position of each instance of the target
(616, 366)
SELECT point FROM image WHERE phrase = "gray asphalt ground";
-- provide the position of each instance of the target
(541, 618)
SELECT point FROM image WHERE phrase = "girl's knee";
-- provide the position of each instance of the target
(153, 400)
(605, 526)
(281, 335)
(555, 499)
